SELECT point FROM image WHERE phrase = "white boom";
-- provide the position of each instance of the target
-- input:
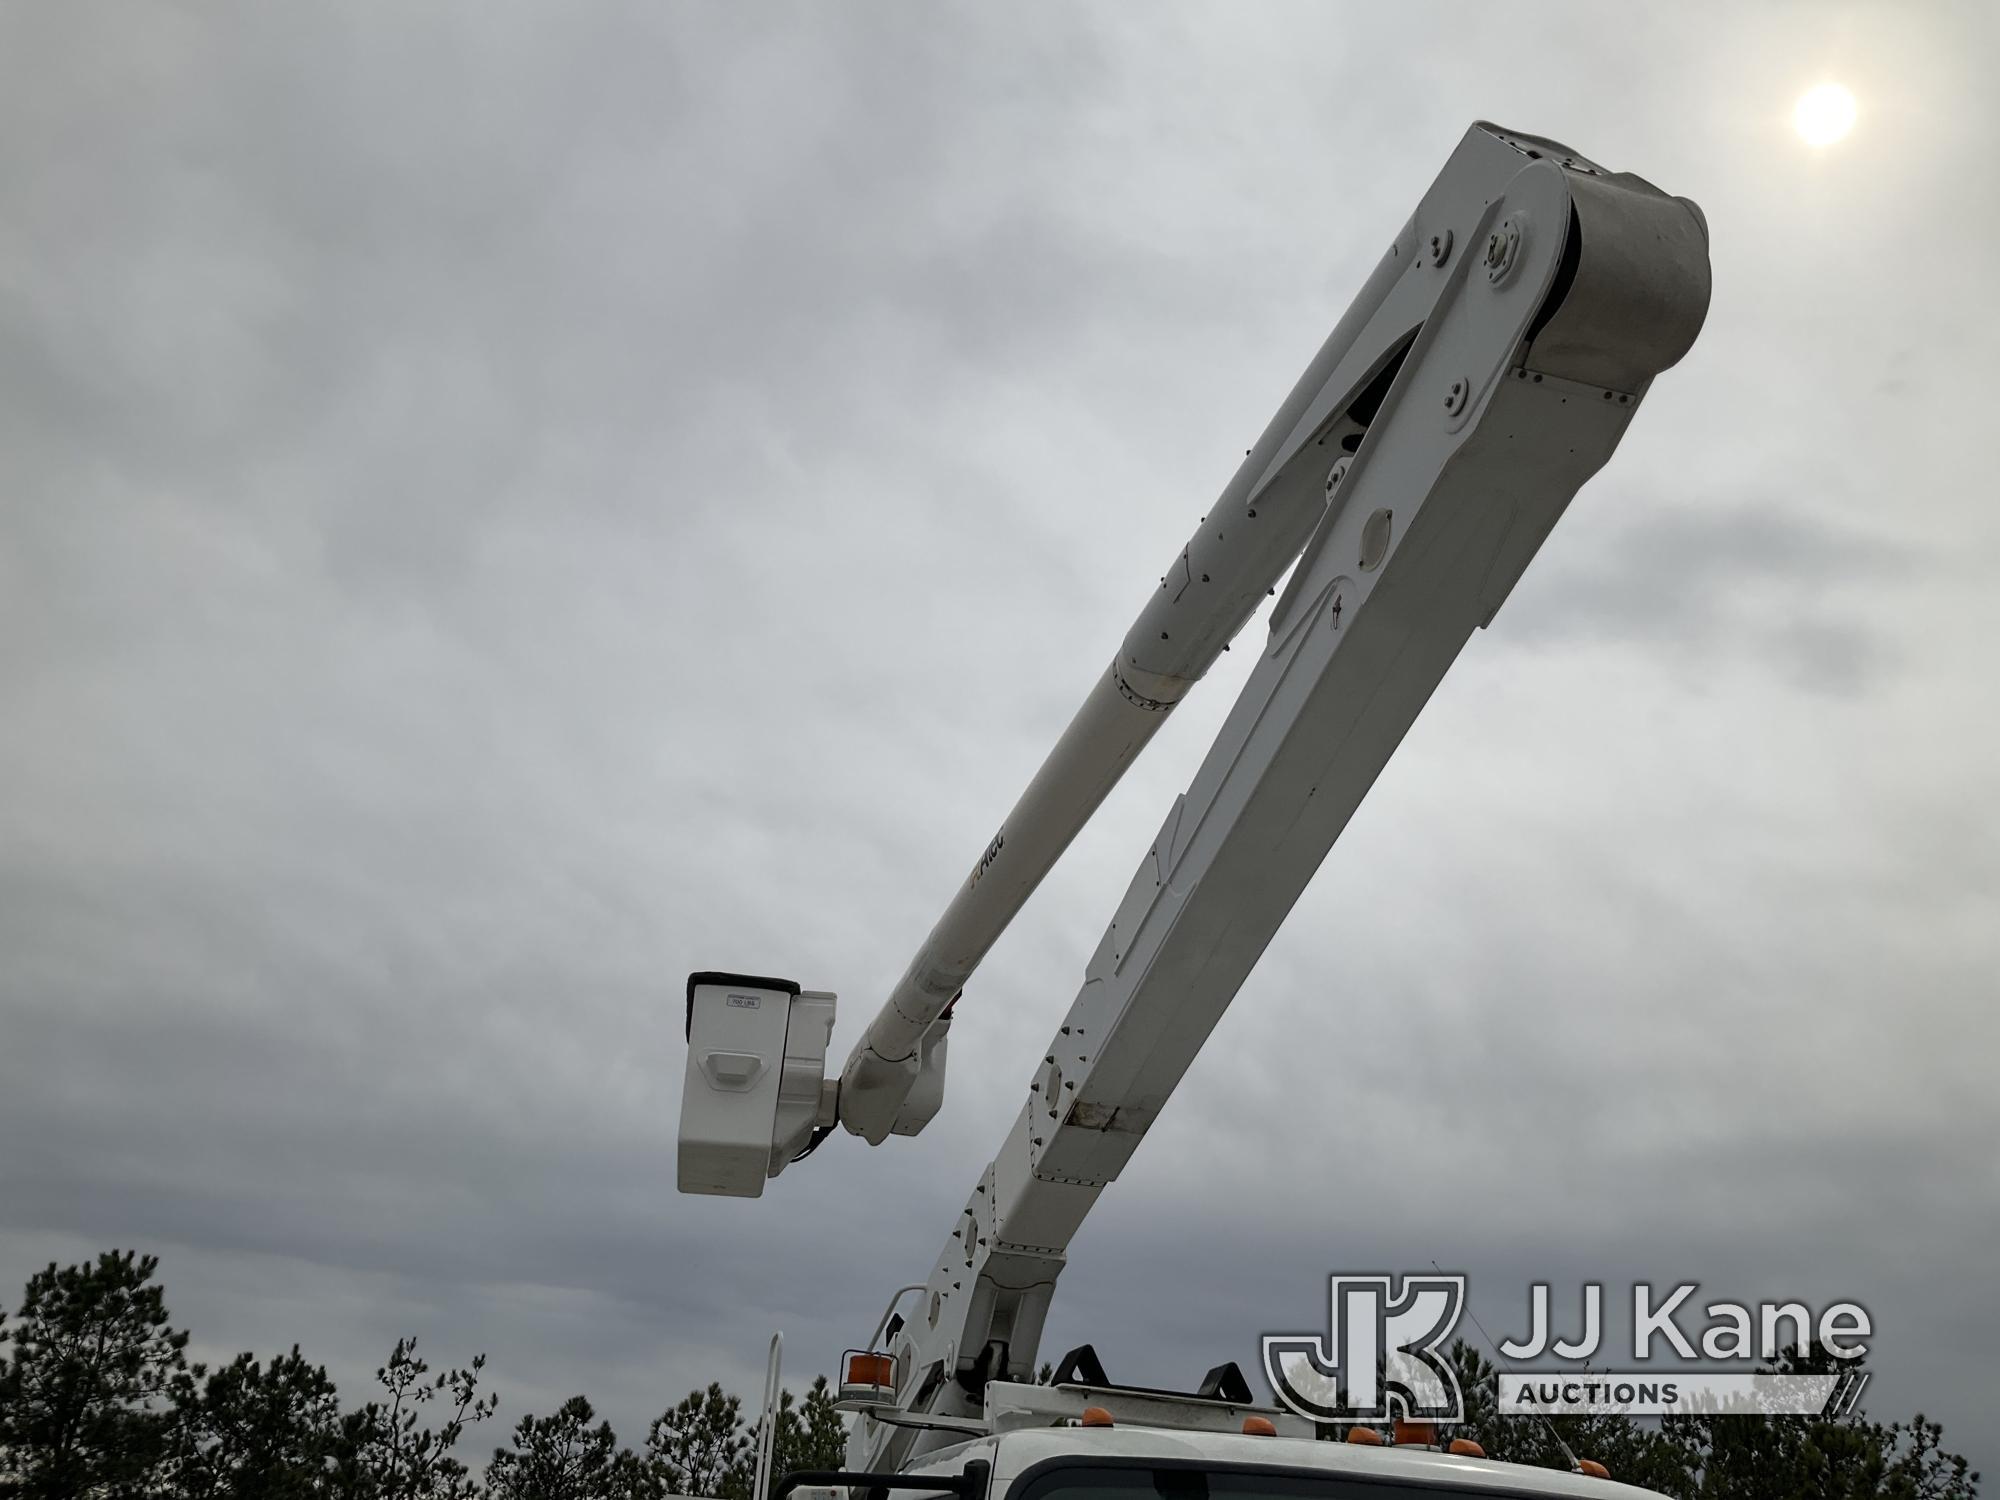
(1487, 369)
(1276, 500)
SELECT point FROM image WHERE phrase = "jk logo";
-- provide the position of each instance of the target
(1381, 1359)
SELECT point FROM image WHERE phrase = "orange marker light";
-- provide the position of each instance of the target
(870, 1369)
(1260, 1427)
(1097, 1416)
(1366, 1436)
(1414, 1434)
(1593, 1468)
(1466, 1448)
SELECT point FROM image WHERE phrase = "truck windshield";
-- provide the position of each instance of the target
(1178, 1480)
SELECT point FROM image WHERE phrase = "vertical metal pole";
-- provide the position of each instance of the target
(768, 1437)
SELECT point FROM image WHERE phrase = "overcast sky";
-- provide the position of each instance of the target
(507, 505)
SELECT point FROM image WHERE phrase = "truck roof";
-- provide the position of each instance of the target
(1014, 1453)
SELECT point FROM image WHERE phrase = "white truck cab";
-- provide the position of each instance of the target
(1078, 1442)
(1150, 1463)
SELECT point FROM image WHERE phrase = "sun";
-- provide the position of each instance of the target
(1824, 114)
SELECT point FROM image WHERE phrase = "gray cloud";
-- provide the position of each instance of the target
(1759, 580)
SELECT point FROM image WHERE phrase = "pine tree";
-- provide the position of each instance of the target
(810, 1434)
(387, 1452)
(255, 1430)
(86, 1399)
(562, 1457)
(1779, 1457)
(700, 1447)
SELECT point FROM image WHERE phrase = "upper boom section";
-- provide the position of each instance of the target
(1279, 495)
